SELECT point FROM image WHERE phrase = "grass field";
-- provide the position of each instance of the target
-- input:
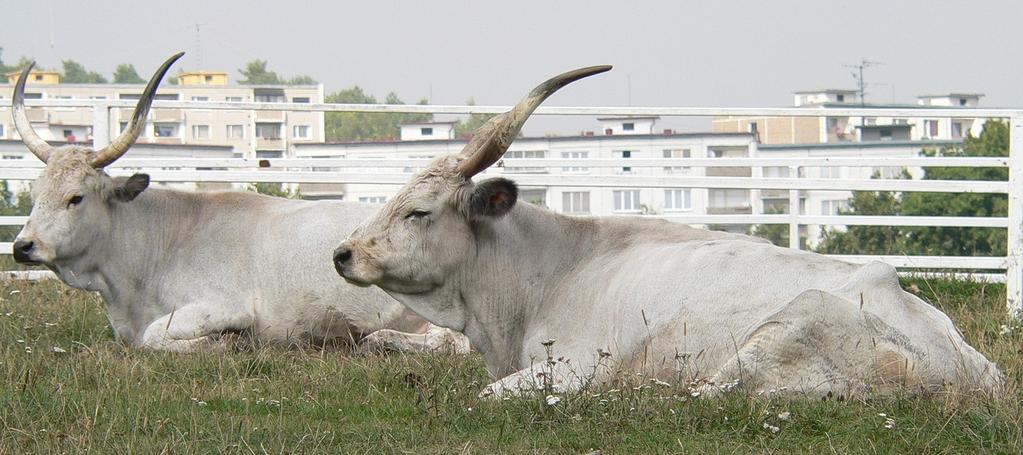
(66, 386)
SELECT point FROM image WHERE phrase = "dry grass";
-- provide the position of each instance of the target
(65, 386)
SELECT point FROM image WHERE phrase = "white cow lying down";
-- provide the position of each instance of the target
(177, 269)
(510, 276)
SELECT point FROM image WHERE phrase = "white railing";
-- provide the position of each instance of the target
(297, 171)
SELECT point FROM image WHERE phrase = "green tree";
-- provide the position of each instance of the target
(466, 128)
(12, 205)
(75, 73)
(777, 234)
(946, 241)
(256, 73)
(274, 189)
(365, 126)
(126, 74)
(302, 79)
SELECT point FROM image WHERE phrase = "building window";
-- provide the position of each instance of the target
(962, 101)
(268, 130)
(624, 155)
(372, 199)
(200, 98)
(123, 126)
(676, 153)
(39, 77)
(235, 99)
(575, 156)
(886, 134)
(831, 172)
(300, 99)
(840, 98)
(269, 154)
(165, 129)
(525, 154)
(301, 132)
(957, 130)
(931, 128)
(236, 131)
(200, 131)
(870, 120)
(776, 171)
(426, 131)
(678, 199)
(13, 157)
(628, 126)
(575, 202)
(833, 207)
(271, 99)
(2, 130)
(626, 201)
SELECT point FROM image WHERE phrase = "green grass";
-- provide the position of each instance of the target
(102, 397)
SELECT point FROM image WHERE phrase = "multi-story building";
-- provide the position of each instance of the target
(250, 133)
(836, 128)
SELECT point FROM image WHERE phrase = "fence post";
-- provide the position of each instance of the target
(1014, 269)
(100, 125)
(794, 211)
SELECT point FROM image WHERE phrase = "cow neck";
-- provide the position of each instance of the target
(520, 259)
(146, 234)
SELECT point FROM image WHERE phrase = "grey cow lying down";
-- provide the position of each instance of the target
(177, 269)
(733, 309)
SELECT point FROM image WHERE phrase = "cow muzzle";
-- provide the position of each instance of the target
(23, 250)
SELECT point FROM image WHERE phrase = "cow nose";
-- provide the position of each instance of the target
(22, 250)
(342, 256)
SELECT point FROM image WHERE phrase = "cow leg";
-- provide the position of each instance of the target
(541, 377)
(819, 344)
(192, 327)
(434, 339)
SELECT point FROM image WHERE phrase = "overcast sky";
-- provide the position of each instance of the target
(671, 53)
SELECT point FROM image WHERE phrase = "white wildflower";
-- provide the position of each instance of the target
(881, 414)
(659, 382)
(552, 400)
(889, 423)
(57, 350)
(1006, 330)
(785, 416)
(15, 292)
(772, 428)
(694, 393)
(19, 340)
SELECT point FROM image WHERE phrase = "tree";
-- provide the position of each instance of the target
(474, 121)
(302, 79)
(11, 205)
(126, 74)
(777, 234)
(938, 241)
(364, 126)
(75, 73)
(274, 189)
(255, 73)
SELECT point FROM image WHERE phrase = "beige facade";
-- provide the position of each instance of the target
(251, 134)
(830, 129)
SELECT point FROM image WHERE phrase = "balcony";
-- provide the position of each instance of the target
(270, 116)
(729, 172)
(737, 210)
(269, 143)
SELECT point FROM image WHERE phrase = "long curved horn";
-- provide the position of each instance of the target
(119, 146)
(493, 138)
(40, 148)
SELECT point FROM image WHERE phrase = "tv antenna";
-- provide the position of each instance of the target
(858, 76)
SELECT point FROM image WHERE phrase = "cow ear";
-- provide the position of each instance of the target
(492, 198)
(127, 189)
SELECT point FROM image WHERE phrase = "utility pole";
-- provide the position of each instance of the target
(858, 76)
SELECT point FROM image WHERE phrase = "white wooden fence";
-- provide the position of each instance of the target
(299, 171)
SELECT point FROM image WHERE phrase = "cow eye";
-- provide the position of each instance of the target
(417, 214)
(75, 200)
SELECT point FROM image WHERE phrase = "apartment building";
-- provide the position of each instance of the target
(249, 133)
(829, 129)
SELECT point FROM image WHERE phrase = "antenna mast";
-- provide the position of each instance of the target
(858, 77)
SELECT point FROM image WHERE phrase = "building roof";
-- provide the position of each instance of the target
(825, 90)
(450, 122)
(629, 117)
(953, 95)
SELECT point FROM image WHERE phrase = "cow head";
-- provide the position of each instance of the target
(73, 196)
(426, 231)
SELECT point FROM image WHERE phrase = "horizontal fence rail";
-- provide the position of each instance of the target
(397, 172)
